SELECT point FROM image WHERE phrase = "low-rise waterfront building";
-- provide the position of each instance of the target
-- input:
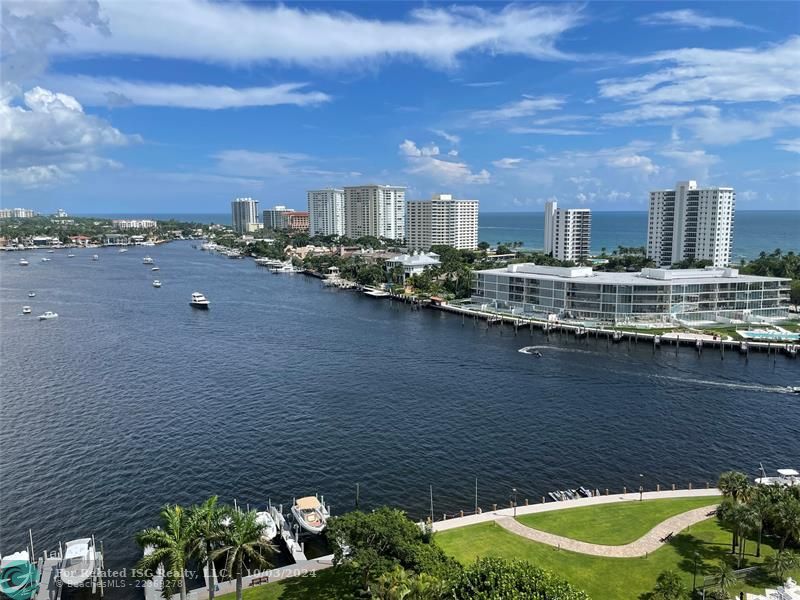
(123, 224)
(116, 239)
(718, 295)
(17, 213)
(412, 264)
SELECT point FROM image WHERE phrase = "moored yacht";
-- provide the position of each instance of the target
(45, 259)
(269, 528)
(78, 563)
(71, 255)
(26, 310)
(310, 513)
(199, 300)
(31, 294)
(95, 257)
(156, 283)
(787, 477)
(147, 260)
(23, 262)
(48, 315)
(155, 269)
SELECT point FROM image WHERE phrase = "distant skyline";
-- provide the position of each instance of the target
(178, 107)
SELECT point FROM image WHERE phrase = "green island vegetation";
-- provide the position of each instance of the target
(383, 555)
(94, 228)
(612, 524)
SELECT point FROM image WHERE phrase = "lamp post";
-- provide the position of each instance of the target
(641, 486)
(514, 491)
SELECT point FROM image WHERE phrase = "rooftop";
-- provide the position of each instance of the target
(418, 259)
(645, 277)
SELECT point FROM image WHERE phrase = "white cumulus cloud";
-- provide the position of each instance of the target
(423, 161)
(50, 138)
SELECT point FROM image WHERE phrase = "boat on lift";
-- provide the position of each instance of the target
(785, 477)
(311, 514)
(267, 523)
(19, 577)
(78, 563)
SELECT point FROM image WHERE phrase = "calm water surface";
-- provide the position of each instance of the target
(131, 400)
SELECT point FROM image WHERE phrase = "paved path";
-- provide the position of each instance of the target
(496, 515)
(644, 545)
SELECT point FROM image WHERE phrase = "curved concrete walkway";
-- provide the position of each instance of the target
(644, 545)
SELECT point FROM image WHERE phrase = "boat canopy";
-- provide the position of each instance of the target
(308, 503)
(788, 472)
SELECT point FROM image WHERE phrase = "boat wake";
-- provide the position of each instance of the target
(777, 389)
(535, 349)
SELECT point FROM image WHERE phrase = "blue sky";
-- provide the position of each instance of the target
(181, 106)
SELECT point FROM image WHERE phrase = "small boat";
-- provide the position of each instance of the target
(156, 283)
(147, 260)
(795, 389)
(48, 315)
(123, 250)
(199, 301)
(78, 563)
(45, 259)
(310, 513)
(786, 477)
(155, 269)
(51, 251)
(26, 310)
(70, 255)
(19, 578)
(269, 528)
(31, 294)
(23, 262)
(95, 257)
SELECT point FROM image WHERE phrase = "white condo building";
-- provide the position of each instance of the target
(442, 220)
(326, 212)
(691, 223)
(567, 232)
(375, 210)
(244, 214)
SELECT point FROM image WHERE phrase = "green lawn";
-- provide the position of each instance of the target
(605, 578)
(612, 524)
(329, 584)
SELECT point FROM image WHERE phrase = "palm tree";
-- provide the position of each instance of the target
(781, 563)
(171, 549)
(746, 521)
(726, 578)
(762, 507)
(669, 586)
(735, 485)
(787, 518)
(242, 542)
(207, 532)
(725, 517)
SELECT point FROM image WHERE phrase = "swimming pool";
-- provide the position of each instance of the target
(770, 336)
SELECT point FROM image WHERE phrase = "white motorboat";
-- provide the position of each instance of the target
(199, 300)
(19, 577)
(31, 294)
(23, 262)
(310, 513)
(795, 389)
(156, 283)
(268, 262)
(70, 255)
(78, 563)
(147, 260)
(286, 267)
(269, 528)
(51, 251)
(123, 250)
(787, 477)
(155, 269)
(26, 310)
(48, 315)
(95, 257)
(45, 259)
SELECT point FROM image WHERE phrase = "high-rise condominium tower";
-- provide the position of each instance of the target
(375, 210)
(443, 220)
(244, 213)
(691, 223)
(567, 232)
(326, 211)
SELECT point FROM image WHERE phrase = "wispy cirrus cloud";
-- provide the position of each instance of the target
(181, 29)
(691, 19)
(525, 107)
(767, 74)
(792, 145)
(98, 91)
(250, 163)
